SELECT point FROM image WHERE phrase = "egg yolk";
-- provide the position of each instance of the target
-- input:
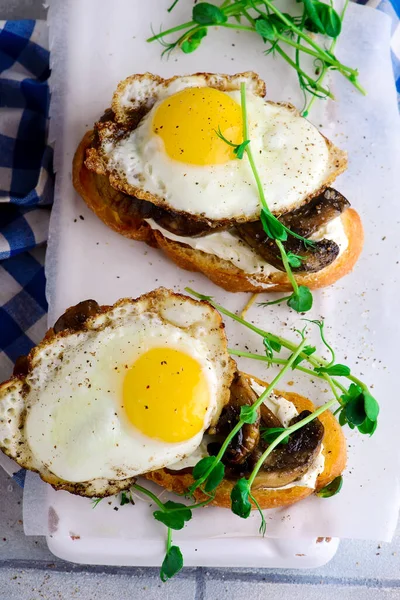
(187, 123)
(166, 395)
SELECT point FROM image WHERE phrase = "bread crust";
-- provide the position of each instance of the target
(219, 271)
(334, 451)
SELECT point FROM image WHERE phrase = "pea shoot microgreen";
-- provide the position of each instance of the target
(331, 489)
(173, 560)
(357, 408)
(269, 434)
(278, 30)
(125, 498)
(300, 299)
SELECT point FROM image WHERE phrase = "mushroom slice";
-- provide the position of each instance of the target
(314, 258)
(75, 317)
(268, 419)
(304, 221)
(310, 217)
(246, 440)
(288, 462)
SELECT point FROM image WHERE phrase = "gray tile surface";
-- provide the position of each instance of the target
(22, 9)
(28, 571)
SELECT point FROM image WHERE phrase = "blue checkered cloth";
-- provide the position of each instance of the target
(26, 184)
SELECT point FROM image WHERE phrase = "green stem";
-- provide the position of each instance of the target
(175, 2)
(248, 17)
(321, 52)
(315, 361)
(172, 30)
(226, 312)
(248, 151)
(358, 382)
(333, 383)
(240, 423)
(169, 539)
(324, 68)
(310, 80)
(278, 301)
(288, 270)
(301, 48)
(236, 26)
(284, 434)
(148, 493)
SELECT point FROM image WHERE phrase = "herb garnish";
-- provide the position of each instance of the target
(301, 298)
(356, 407)
(276, 29)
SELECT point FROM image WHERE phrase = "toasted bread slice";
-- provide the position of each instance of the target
(335, 461)
(106, 203)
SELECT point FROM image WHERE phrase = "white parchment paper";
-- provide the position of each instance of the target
(96, 44)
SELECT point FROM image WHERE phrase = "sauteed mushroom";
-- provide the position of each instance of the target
(288, 462)
(75, 317)
(304, 221)
(244, 443)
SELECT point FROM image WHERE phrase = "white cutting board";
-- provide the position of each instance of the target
(94, 45)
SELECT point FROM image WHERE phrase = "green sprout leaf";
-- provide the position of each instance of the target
(266, 29)
(173, 515)
(269, 434)
(240, 498)
(172, 563)
(342, 418)
(294, 260)
(215, 477)
(271, 346)
(248, 414)
(193, 42)
(241, 149)
(353, 392)
(302, 301)
(208, 14)
(360, 407)
(355, 410)
(314, 17)
(371, 407)
(329, 18)
(331, 489)
(268, 348)
(334, 370)
(125, 499)
(95, 502)
(272, 227)
(308, 350)
(201, 468)
(368, 427)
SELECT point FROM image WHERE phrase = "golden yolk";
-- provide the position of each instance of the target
(187, 123)
(165, 395)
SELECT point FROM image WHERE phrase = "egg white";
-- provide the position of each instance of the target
(66, 417)
(292, 157)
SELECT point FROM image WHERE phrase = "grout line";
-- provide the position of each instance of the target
(201, 575)
(200, 584)
(69, 567)
(216, 574)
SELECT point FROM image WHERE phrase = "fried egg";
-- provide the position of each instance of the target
(132, 390)
(175, 158)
